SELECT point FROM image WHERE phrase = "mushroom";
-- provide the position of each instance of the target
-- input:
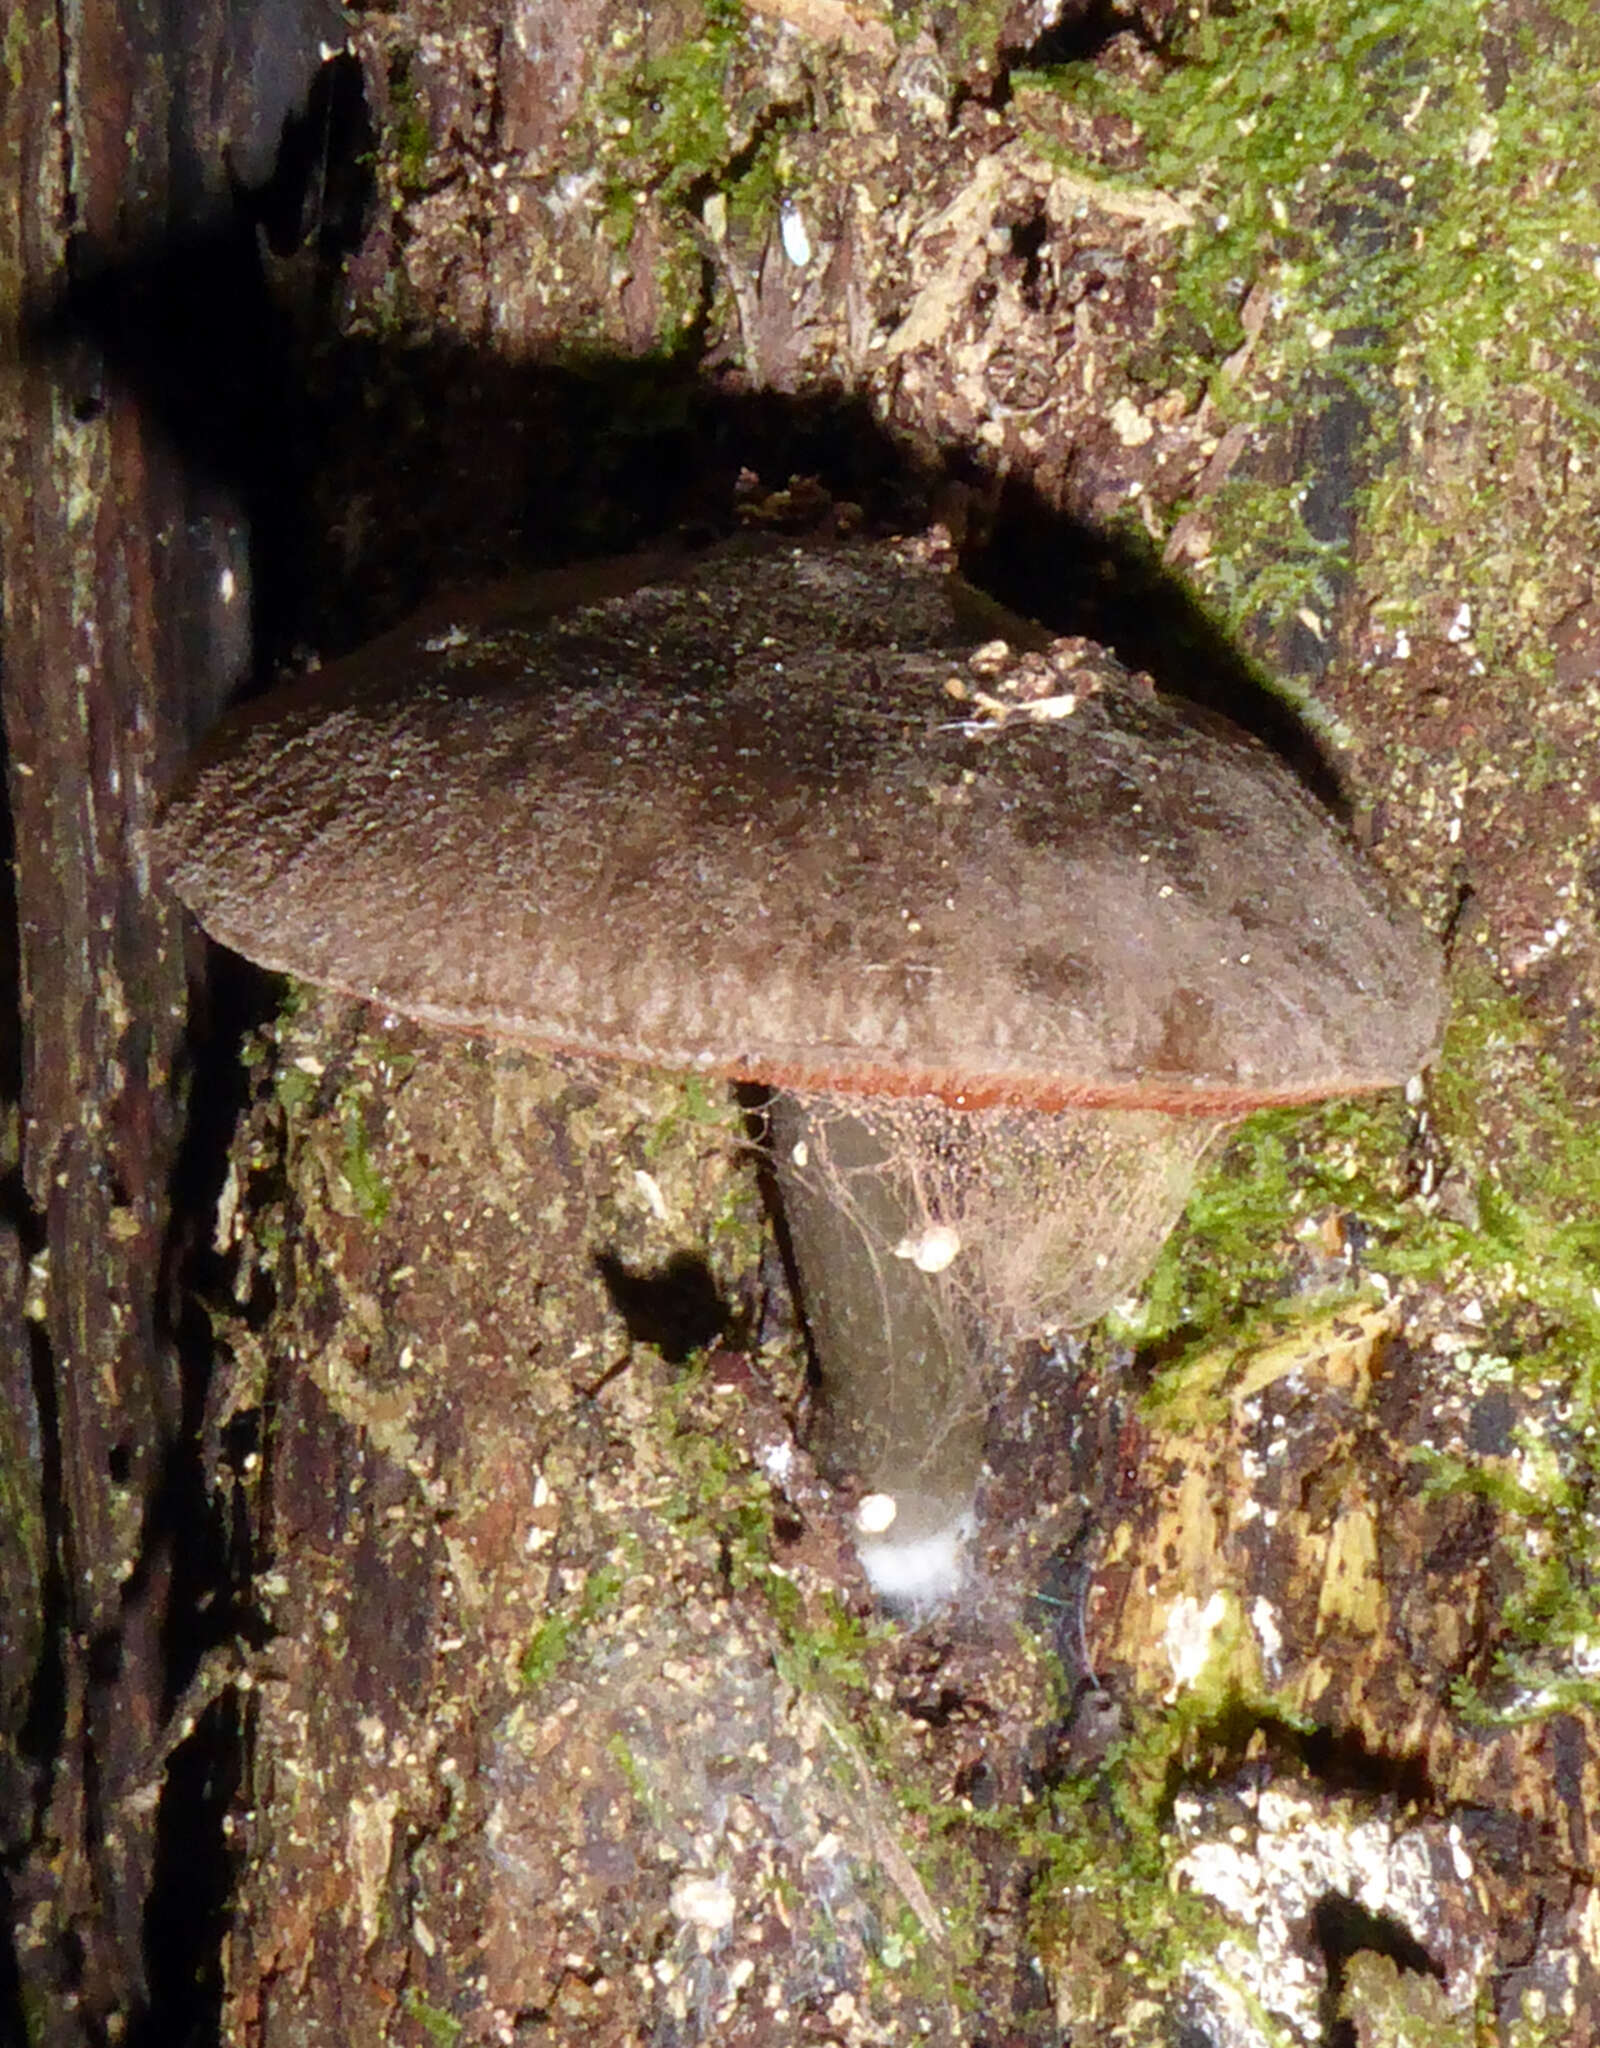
(1010, 937)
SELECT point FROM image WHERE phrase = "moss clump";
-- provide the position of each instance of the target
(1510, 1205)
(669, 112)
(367, 1187)
(831, 1653)
(712, 1492)
(1230, 1267)
(1399, 199)
(1527, 1148)
(1550, 1659)
(294, 1089)
(692, 124)
(1528, 1155)
(408, 141)
(439, 2026)
(547, 1648)
(1113, 1929)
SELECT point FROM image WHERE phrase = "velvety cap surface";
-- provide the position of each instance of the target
(770, 818)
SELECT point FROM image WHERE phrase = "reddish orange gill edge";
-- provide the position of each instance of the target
(836, 1074)
(1039, 1091)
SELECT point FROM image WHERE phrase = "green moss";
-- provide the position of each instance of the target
(367, 1186)
(294, 1088)
(553, 1638)
(1087, 1858)
(1106, 1908)
(1549, 1658)
(1502, 1211)
(409, 140)
(669, 111)
(438, 2025)
(1228, 1267)
(368, 1079)
(642, 1787)
(1422, 224)
(695, 1107)
(673, 124)
(979, 30)
(1105, 1911)
(1530, 1178)
(1533, 1166)
(756, 195)
(831, 1654)
(546, 1651)
(1550, 1617)
(713, 1496)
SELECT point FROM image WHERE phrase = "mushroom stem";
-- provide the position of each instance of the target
(926, 1239)
(902, 1403)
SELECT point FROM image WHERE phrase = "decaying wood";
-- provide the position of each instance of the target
(126, 600)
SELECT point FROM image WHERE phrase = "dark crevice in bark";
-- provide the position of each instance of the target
(1242, 1741)
(186, 1915)
(1342, 1929)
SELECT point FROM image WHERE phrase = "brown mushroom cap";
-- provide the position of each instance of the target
(745, 821)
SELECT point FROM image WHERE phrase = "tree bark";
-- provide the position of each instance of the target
(126, 594)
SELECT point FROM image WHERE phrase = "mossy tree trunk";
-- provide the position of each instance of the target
(522, 1578)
